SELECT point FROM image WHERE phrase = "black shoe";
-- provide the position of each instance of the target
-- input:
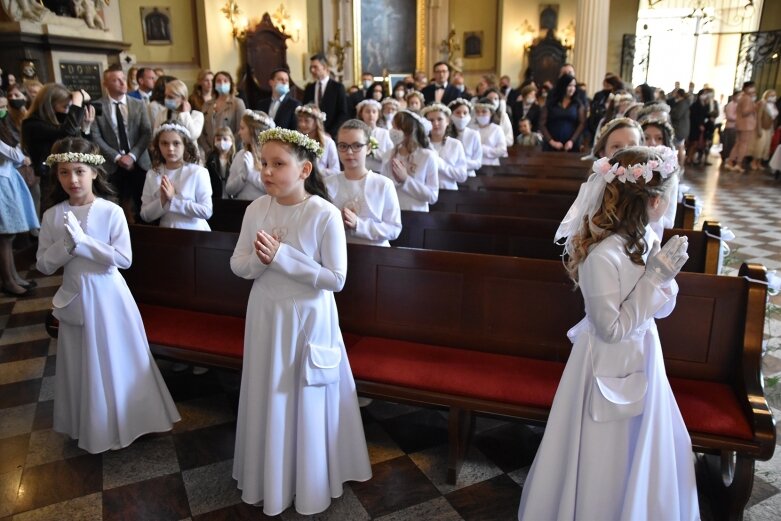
(10, 293)
(30, 284)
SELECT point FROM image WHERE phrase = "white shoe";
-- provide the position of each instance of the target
(364, 402)
(179, 367)
(198, 370)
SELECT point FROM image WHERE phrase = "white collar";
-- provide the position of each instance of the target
(122, 100)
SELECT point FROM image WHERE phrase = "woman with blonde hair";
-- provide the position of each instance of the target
(179, 110)
(766, 117)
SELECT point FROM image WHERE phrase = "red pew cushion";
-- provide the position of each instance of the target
(205, 332)
(711, 408)
(461, 372)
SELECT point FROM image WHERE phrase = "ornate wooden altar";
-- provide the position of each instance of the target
(265, 49)
(546, 57)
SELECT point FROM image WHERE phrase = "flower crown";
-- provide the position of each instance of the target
(368, 103)
(292, 137)
(173, 126)
(487, 106)
(417, 93)
(613, 123)
(391, 101)
(659, 123)
(75, 157)
(632, 173)
(417, 117)
(622, 96)
(260, 117)
(312, 111)
(460, 101)
(436, 107)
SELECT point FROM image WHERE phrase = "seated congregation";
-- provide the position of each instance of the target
(422, 252)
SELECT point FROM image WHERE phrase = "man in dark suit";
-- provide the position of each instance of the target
(145, 77)
(329, 95)
(281, 106)
(440, 91)
(123, 132)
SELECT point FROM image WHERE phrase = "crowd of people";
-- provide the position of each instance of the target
(338, 167)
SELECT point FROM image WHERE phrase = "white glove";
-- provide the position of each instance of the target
(72, 226)
(664, 264)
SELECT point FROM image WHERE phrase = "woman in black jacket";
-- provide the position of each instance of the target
(55, 113)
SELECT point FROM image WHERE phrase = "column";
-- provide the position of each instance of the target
(591, 36)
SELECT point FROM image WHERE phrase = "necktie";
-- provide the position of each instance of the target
(121, 132)
(272, 111)
(319, 93)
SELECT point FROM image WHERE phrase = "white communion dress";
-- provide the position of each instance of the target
(244, 180)
(108, 390)
(598, 459)
(191, 205)
(373, 199)
(421, 188)
(293, 439)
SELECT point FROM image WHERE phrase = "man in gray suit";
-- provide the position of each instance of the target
(123, 132)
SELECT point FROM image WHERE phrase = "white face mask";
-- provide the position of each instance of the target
(771, 99)
(483, 120)
(461, 122)
(224, 144)
(367, 84)
(389, 117)
(396, 136)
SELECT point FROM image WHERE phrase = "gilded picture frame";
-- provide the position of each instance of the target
(393, 54)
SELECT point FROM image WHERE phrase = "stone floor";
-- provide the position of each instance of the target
(186, 474)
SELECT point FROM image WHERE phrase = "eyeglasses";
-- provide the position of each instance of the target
(352, 147)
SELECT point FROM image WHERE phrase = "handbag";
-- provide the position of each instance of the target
(616, 398)
(321, 364)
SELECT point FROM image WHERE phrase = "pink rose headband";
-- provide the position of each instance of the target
(632, 173)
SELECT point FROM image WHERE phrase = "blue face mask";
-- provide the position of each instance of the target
(281, 89)
(222, 88)
(171, 104)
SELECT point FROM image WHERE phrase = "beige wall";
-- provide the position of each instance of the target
(771, 15)
(465, 18)
(182, 57)
(623, 20)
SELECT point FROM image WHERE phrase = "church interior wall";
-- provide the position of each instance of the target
(623, 20)
(464, 18)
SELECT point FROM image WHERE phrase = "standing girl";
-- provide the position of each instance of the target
(218, 162)
(310, 123)
(615, 446)
(459, 128)
(244, 181)
(299, 432)
(369, 204)
(17, 211)
(492, 138)
(451, 160)
(411, 164)
(390, 107)
(177, 189)
(368, 111)
(108, 390)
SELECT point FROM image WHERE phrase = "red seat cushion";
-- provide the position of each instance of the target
(502, 378)
(711, 408)
(205, 332)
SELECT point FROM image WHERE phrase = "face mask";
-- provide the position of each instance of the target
(3, 112)
(171, 104)
(224, 144)
(388, 118)
(396, 136)
(531, 99)
(495, 103)
(771, 99)
(461, 122)
(460, 88)
(16, 103)
(399, 94)
(223, 88)
(281, 88)
(483, 120)
(367, 84)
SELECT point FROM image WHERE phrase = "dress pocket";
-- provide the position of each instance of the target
(617, 398)
(321, 364)
(70, 311)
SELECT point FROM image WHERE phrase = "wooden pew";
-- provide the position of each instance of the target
(524, 237)
(524, 156)
(580, 173)
(474, 333)
(533, 205)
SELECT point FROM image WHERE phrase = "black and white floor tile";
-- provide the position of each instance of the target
(186, 474)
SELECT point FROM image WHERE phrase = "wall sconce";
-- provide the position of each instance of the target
(233, 14)
(281, 18)
(568, 35)
(526, 35)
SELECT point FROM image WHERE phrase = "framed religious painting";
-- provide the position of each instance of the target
(391, 36)
(156, 25)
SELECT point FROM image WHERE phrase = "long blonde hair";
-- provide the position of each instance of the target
(255, 127)
(624, 211)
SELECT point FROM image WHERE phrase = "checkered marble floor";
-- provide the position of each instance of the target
(186, 474)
